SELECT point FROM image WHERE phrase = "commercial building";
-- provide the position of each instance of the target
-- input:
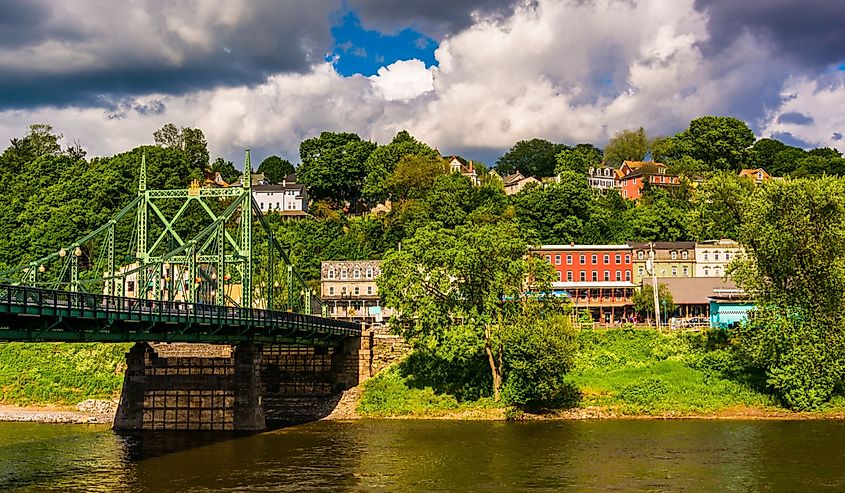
(597, 278)
(349, 291)
(671, 259)
(713, 256)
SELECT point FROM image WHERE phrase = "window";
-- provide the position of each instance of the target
(706, 256)
(715, 255)
(684, 255)
(595, 259)
(331, 290)
(557, 259)
(369, 290)
(369, 272)
(618, 275)
(627, 258)
(674, 272)
(356, 274)
(583, 275)
(634, 181)
(343, 274)
(595, 275)
(130, 286)
(330, 274)
(716, 271)
(549, 258)
(618, 258)
(628, 275)
(640, 255)
(686, 271)
(583, 259)
(640, 271)
(357, 290)
(727, 256)
(569, 276)
(606, 258)
(343, 290)
(707, 271)
(560, 276)
(674, 255)
(607, 275)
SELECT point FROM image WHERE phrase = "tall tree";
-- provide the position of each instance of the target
(413, 177)
(721, 142)
(333, 165)
(275, 168)
(535, 157)
(578, 159)
(381, 163)
(189, 140)
(719, 206)
(627, 145)
(555, 212)
(451, 287)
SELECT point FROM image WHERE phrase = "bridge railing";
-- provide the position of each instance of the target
(38, 301)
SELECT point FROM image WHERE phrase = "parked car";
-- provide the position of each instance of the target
(696, 322)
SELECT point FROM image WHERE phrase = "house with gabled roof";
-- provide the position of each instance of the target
(463, 167)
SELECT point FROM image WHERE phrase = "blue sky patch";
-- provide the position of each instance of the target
(362, 51)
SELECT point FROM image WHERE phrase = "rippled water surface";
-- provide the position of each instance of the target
(629, 455)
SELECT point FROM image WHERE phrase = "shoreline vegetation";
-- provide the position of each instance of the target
(618, 374)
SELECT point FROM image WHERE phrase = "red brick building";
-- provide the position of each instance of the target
(632, 176)
(598, 278)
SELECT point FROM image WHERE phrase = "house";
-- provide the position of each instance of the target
(692, 295)
(602, 178)
(257, 179)
(349, 290)
(632, 176)
(213, 179)
(729, 308)
(671, 259)
(515, 182)
(463, 167)
(288, 198)
(757, 175)
(713, 256)
(597, 278)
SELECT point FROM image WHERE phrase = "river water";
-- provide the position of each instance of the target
(409, 456)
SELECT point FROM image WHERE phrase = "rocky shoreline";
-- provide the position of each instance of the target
(87, 412)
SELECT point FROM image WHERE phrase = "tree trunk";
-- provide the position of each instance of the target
(494, 369)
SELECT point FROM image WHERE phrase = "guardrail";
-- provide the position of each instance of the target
(47, 302)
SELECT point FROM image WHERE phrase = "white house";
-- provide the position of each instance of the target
(287, 198)
(713, 256)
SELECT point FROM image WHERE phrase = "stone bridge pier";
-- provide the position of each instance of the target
(242, 387)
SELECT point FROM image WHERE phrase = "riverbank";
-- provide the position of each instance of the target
(87, 412)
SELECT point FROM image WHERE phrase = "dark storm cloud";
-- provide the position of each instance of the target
(809, 32)
(434, 17)
(796, 118)
(109, 54)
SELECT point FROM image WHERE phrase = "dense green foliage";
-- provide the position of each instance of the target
(60, 373)
(275, 169)
(535, 157)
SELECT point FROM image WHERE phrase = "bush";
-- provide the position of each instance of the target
(538, 352)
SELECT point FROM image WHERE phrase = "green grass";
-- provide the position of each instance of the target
(629, 372)
(60, 373)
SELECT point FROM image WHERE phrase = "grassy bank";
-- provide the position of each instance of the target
(59, 373)
(622, 372)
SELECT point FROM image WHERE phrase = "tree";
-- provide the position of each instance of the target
(644, 301)
(452, 286)
(189, 140)
(535, 157)
(627, 145)
(275, 168)
(381, 163)
(333, 166)
(578, 159)
(793, 233)
(413, 177)
(555, 212)
(226, 169)
(719, 205)
(721, 142)
(168, 136)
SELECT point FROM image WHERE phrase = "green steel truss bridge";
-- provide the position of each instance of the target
(184, 265)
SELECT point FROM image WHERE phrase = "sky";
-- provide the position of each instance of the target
(469, 78)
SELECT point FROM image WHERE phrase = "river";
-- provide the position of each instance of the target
(410, 456)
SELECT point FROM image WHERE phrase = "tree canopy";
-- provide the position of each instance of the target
(333, 165)
(535, 157)
(627, 145)
(275, 169)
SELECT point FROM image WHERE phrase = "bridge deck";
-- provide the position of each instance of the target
(33, 314)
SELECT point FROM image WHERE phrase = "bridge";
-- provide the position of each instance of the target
(193, 265)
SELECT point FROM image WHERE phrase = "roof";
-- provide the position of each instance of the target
(582, 247)
(724, 242)
(640, 164)
(278, 188)
(694, 290)
(663, 245)
(459, 158)
(593, 285)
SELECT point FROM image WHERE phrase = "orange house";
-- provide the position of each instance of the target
(632, 176)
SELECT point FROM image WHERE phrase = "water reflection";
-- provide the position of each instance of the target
(434, 456)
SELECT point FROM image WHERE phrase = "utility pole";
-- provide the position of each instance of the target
(653, 270)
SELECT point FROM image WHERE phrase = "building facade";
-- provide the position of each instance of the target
(597, 278)
(713, 256)
(632, 176)
(602, 178)
(287, 198)
(463, 167)
(671, 259)
(349, 290)
(516, 182)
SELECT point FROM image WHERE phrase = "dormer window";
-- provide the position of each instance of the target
(343, 274)
(674, 255)
(356, 274)
(330, 274)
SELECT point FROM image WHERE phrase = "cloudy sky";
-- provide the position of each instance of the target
(467, 77)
